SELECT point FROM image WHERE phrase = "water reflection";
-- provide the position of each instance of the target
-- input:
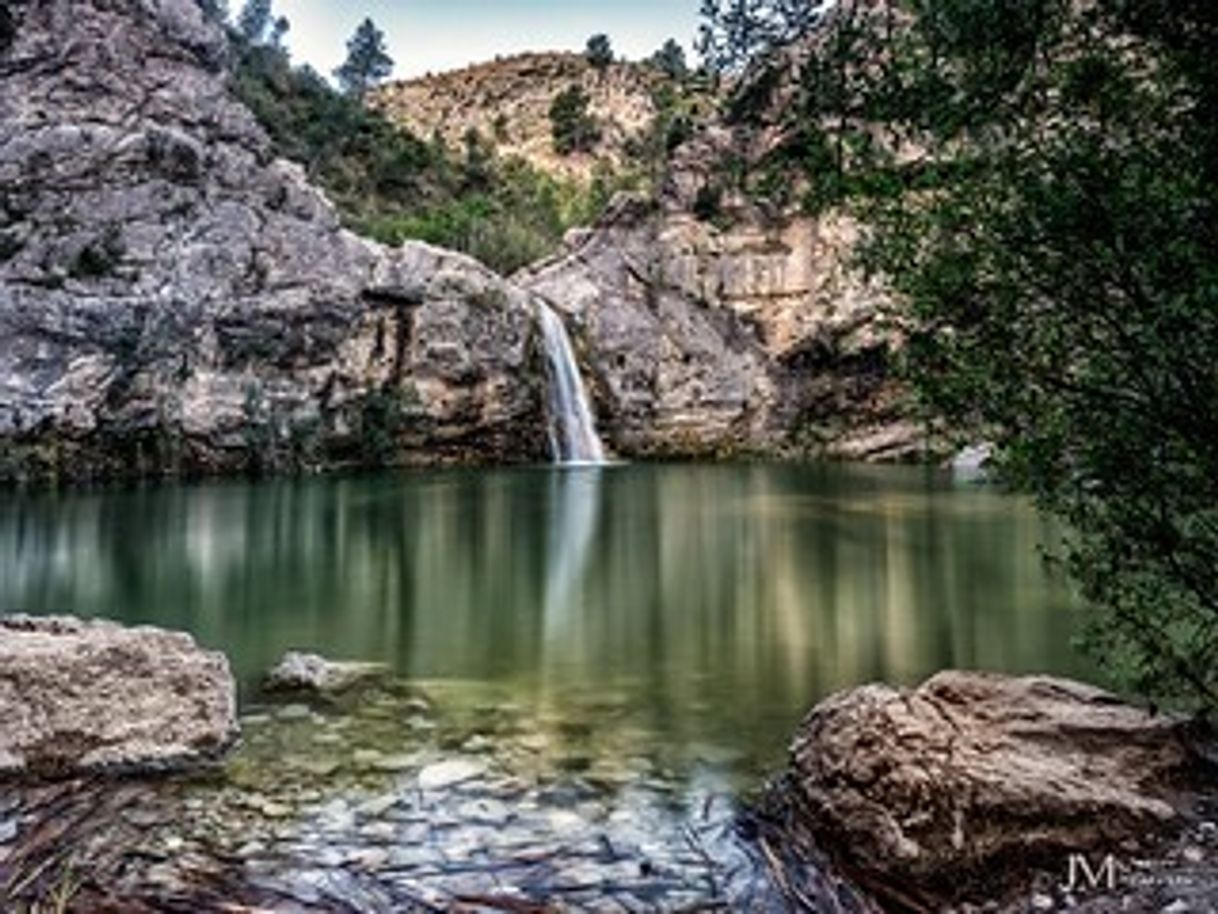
(721, 601)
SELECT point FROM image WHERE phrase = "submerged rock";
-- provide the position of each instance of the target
(310, 673)
(450, 772)
(945, 791)
(80, 696)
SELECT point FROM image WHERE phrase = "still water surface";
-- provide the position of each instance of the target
(704, 606)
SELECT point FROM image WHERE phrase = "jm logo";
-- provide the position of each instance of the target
(1081, 874)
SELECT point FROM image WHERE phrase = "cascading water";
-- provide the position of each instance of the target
(573, 437)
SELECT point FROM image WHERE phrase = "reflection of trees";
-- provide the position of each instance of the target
(723, 596)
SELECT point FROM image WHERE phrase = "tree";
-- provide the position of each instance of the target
(214, 10)
(368, 62)
(1041, 191)
(599, 52)
(734, 32)
(670, 59)
(254, 20)
(572, 127)
(279, 30)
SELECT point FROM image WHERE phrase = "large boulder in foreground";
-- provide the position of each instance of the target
(80, 697)
(941, 793)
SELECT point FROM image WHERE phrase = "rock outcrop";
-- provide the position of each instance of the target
(754, 337)
(83, 697)
(173, 298)
(946, 792)
(507, 101)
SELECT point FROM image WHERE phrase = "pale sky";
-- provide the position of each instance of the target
(434, 35)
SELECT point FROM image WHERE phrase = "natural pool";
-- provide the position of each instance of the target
(592, 663)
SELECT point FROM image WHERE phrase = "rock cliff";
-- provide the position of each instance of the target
(508, 102)
(752, 337)
(173, 298)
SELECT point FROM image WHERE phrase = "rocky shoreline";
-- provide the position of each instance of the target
(353, 791)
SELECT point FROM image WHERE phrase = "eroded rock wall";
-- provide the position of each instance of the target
(750, 336)
(174, 298)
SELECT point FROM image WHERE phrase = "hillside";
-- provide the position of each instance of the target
(507, 101)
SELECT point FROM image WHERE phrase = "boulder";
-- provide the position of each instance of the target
(87, 697)
(320, 677)
(947, 791)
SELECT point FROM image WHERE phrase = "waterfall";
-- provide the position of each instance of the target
(573, 437)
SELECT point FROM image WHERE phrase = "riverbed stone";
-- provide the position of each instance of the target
(450, 773)
(950, 788)
(93, 696)
(317, 676)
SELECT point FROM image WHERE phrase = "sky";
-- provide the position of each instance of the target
(433, 35)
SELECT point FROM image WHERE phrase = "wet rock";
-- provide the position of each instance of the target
(294, 712)
(972, 462)
(450, 772)
(80, 696)
(317, 676)
(947, 791)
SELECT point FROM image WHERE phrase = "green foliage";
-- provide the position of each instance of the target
(573, 128)
(519, 217)
(392, 186)
(1041, 182)
(736, 32)
(254, 20)
(279, 30)
(670, 60)
(599, 52)
(215, 10)
(368, 62)
(382, 420)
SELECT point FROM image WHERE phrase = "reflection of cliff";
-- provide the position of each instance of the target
(721, 597)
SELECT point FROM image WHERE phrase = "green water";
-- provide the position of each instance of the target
(702, 605)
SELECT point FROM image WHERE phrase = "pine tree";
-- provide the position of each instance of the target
(599, 52)
(254, 20)
(735, 32)
(214, 10)
(279, 30)
(670, 59)
(573, 128)
(368, 62)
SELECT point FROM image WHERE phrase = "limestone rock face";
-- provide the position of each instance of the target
(79, 697)
(973, 777)
(754, 337)
(508, 101)
(173, 297)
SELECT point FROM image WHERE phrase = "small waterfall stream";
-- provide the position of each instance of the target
(573, 437)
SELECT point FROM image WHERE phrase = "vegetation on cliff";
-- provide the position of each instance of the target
(390, 184)
(1041, 179)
